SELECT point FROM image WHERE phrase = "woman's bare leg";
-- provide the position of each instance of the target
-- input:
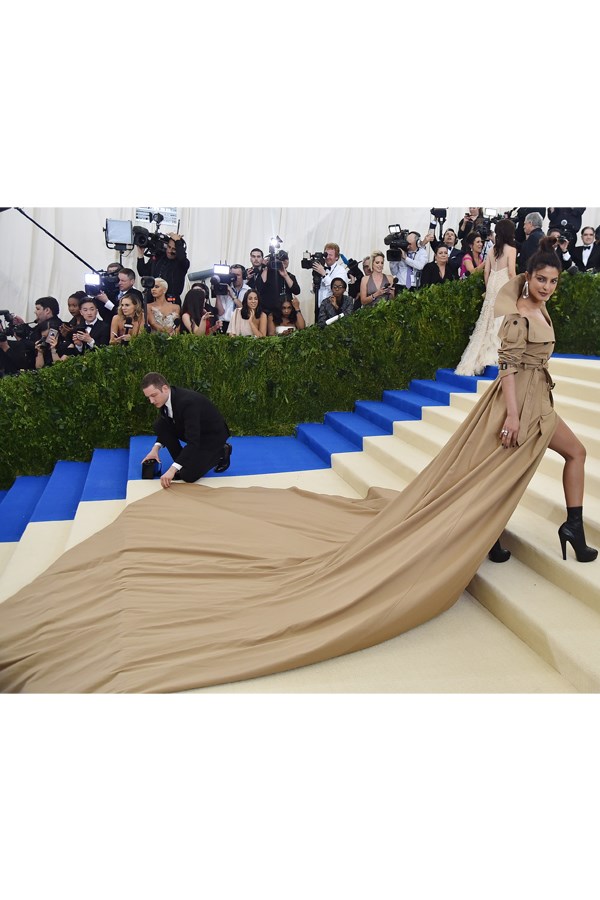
(572, 450)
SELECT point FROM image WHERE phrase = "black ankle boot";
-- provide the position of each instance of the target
(572, 531)
(498, 553)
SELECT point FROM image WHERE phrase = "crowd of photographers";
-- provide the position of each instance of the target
(263, 299)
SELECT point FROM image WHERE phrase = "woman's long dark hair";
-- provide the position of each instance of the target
(245, 312)
(278, 315)
(505, 236)
(544, 256)
(469, 241)
(194, 304)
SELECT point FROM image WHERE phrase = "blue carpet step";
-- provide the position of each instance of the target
(466, 382)
(353, 427)
(323, 440)
(409, 404)
(382, 414)
(2, 496)
(107, 475)
(62, 493)
(250, 456)
(19, 503)
(438, 390)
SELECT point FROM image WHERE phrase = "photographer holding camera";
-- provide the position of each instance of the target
(412, 260)
(471, 220)
(171, 264)
(18, 353)
(331, 267)
(568, 219)
(278, 283)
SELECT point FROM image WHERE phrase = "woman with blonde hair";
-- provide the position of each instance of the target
(129, 320)
(162, 314)
(378, 286)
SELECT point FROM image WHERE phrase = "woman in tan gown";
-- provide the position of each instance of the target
(255, 580)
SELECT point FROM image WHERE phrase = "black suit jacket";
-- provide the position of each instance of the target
(199, 423)
(593, 259)
(100, 332)
(529, 248)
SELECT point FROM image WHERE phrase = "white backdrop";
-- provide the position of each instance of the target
(33, 265)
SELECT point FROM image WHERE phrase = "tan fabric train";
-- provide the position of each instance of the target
(196, 586)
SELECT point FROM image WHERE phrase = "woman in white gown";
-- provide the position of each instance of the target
(500, 267)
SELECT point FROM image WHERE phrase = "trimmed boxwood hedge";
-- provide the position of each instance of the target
(262, 387)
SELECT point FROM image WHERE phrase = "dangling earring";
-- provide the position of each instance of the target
(526, 290)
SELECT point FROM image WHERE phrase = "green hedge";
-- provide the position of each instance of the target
(262, 387)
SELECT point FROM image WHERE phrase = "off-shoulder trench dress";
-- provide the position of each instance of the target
(197, 586)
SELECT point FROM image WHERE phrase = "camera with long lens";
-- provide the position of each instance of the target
(353, 268)
(309, 258)
(97, 282)
(9, 329)
(220, 280)
(397, 241)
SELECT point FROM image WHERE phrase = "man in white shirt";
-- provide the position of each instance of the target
(408, 269)
(333, 267)
(228, 303)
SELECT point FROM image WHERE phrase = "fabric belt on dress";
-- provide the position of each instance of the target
(528, 401)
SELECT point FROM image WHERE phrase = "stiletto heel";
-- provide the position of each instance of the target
(563, 543)
(572, 532)
(498, 554)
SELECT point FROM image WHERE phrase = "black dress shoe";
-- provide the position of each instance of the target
(223, 463)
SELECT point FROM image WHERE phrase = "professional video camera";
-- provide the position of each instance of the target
(438, 212)
(96, 282)
(152, 242)
(275, 254)
(220, 280)
(9, 329)
(397, 241)
(490, 218)
(309, 258)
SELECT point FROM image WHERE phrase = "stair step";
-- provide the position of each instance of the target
(585, 367)
(466, 382)
(19, 504)
(59, 500)
(323, 440)
(352, 426)
(107, 476)
(382, 414)
(424, 435)
(437, 390)
(410, 403)
(362, 471)
(535, 543)
(555, 624)
(576, 388)
(400, 458)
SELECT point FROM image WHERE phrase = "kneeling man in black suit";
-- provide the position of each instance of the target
(191, 417)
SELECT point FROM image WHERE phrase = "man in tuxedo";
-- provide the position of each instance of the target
(587, 255)
(191, 417)
(109, 306)
(93, 333)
